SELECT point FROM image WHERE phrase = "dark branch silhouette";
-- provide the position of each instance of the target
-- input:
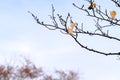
(74, 30)
(117, 2)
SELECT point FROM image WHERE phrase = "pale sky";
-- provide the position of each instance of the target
(21, 35)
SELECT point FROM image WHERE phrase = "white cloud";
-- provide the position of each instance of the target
(20, 48)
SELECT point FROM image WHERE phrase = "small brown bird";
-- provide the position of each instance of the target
(93, 5)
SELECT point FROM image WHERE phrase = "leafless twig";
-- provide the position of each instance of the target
(96, 13)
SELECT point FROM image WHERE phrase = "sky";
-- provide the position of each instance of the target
(20, 35)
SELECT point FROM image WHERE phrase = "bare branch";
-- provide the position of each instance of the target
(92, 11)
(117, 2)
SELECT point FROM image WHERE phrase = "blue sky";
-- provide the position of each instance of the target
(21, 35)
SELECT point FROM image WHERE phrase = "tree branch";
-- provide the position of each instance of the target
(93, 12)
